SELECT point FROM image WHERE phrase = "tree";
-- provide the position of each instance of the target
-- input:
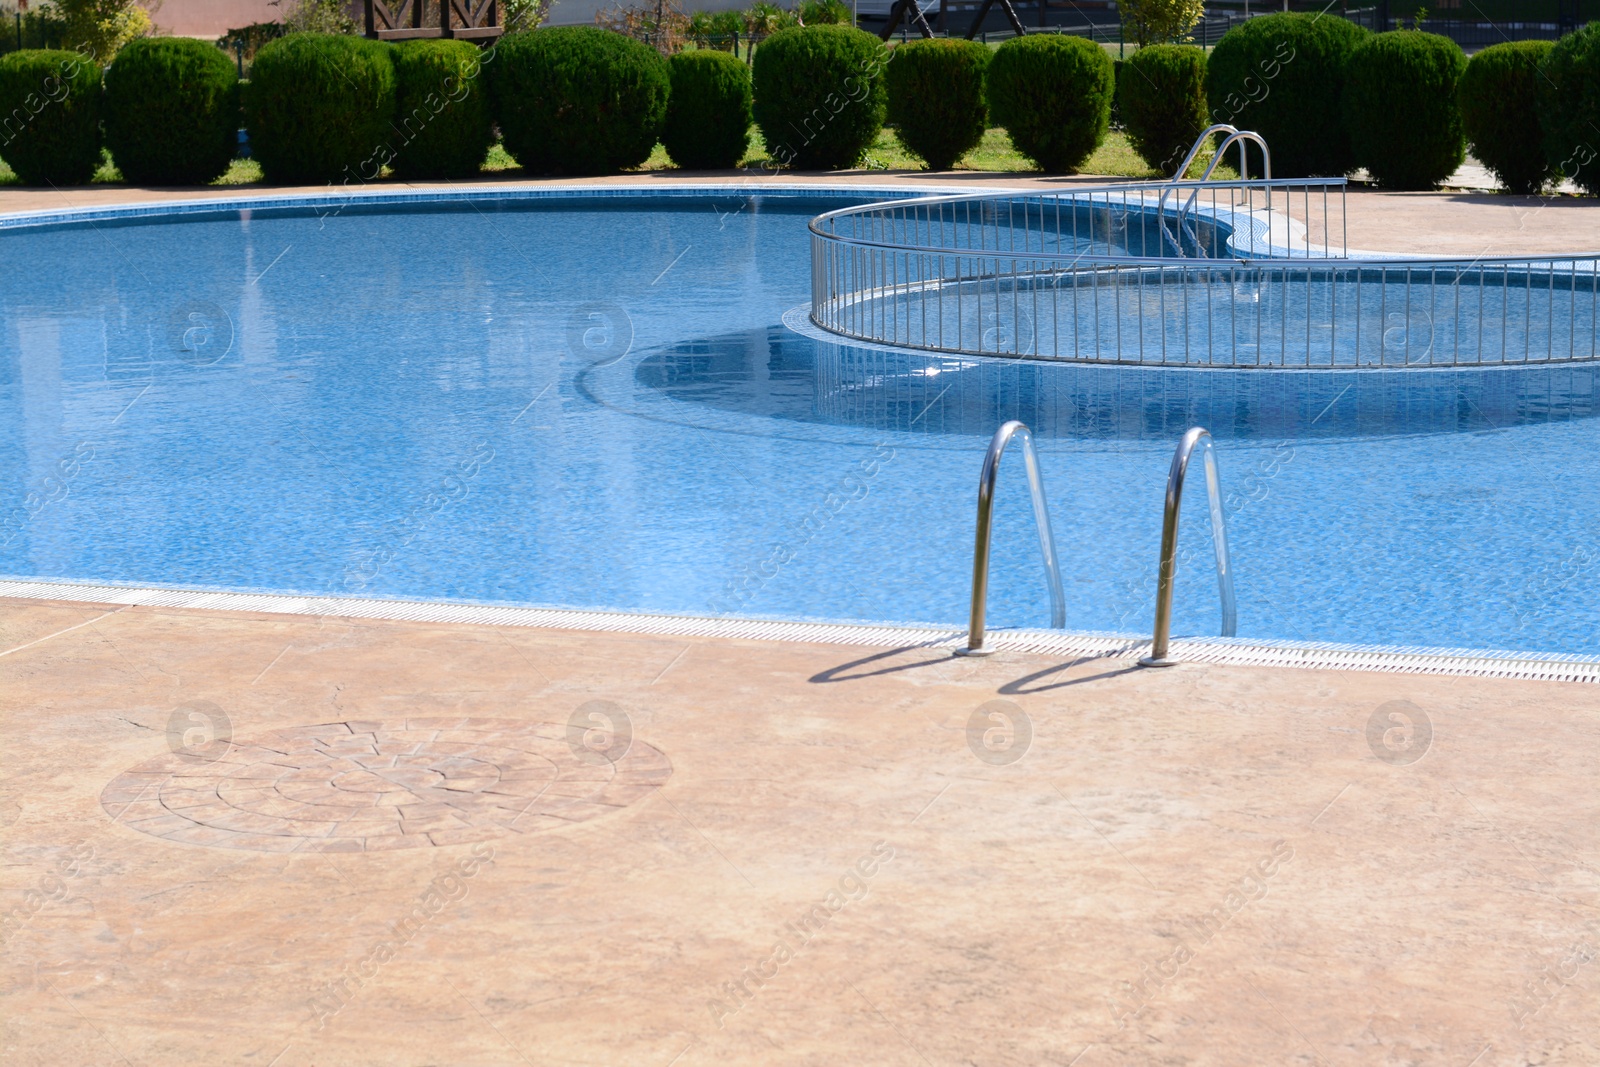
(1155, 21)
(315, 16)
(99, 28)
(523, 14)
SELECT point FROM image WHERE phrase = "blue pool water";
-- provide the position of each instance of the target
(1319, 317)
(593, 402)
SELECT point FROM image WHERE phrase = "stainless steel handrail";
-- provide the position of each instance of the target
(1234, 135)
(1341, 264)
(1197, 437)
(980, 548)
(1200, 143)
(820, 225)
(1239, 137)
(1255, 274)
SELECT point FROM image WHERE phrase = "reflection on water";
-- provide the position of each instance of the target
(448, 406)
(777, 372)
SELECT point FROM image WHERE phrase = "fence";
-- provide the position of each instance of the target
(1220, 274)
(1046, 16)
(32, 29)
(1472, 34)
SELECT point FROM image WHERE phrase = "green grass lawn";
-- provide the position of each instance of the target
(1114, 158)
(106, 173)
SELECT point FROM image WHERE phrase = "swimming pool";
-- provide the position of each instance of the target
(592, 400)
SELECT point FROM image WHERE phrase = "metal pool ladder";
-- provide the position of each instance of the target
(1197, 437)
(980, 550)
(1232, 135)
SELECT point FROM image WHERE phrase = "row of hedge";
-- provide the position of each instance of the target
(581, 100)
(1327, 95)
(1330, 97)
(168, 110)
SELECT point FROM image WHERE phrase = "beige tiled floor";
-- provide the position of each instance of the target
(1191, 866)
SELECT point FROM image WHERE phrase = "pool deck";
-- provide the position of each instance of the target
(1436, 224)
(1197, 865)
(797, 853)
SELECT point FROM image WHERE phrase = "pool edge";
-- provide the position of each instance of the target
(339, 199)
(1081, 645)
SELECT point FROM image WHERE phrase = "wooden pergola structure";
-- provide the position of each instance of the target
(401, 20)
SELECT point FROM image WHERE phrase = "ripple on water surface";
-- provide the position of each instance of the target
(594, 403)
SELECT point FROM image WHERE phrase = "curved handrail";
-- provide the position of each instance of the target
(1342, 264)
(1102, 276)
(1082, 193)
(1149, 197)
(1239, 137)
(980, 548)
(1234, 134)
(1197, 437)
(1199, 143)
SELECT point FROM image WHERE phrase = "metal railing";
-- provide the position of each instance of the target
(980, 549)
(1217, 274)
(1197, 437)
(1233, 135)
(1242, 138)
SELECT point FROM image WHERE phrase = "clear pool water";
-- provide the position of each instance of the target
(1316, 317)
(593, 402)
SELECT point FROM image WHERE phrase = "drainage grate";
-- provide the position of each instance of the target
(1534, 666)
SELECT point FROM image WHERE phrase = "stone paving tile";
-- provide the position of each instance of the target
(158, 825)
(211, 836)
(578, 810)
(541, 771)
(436, 782)
(339, 844)
(389, 842)
(361, 828)
(1028, 913)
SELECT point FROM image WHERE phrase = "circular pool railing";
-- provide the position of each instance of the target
(1219, 274)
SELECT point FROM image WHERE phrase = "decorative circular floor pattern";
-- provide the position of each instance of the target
(365, 786)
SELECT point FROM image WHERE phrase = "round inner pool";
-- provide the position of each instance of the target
(592, 400)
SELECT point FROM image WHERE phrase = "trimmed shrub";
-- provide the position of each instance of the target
(1053, 95)
(820, 97)
(1401, 108)
(320, 108)
(443, 110)
(171, 111)
(936, 100)
(1161, 95)
(578, 99)
(708, 112)
(1569, 107)
(50, 117)
(1283, 76)
(1498, 98)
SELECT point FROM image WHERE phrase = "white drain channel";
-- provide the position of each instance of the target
(1236, 652)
